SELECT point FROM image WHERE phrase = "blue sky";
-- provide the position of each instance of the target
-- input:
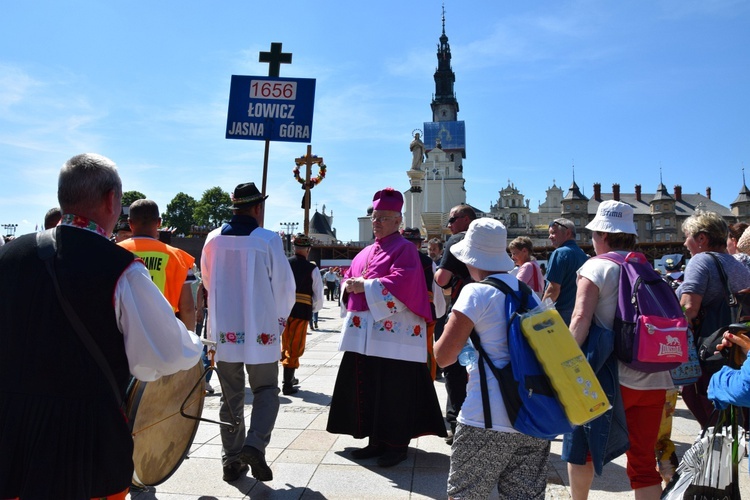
(620, 89)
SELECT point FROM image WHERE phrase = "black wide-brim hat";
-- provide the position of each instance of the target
(302, 241)
(246, 195)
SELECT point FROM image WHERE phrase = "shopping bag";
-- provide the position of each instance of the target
(708, 470)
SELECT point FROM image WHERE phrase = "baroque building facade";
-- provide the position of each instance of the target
(658, 216)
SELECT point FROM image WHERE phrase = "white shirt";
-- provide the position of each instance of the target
(251, 291)
(318, 292)
(484, 305)
(156, 342)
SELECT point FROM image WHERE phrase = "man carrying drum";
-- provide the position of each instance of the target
(62, 434)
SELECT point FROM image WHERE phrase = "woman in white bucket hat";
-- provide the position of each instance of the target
(643, 394)
(513, 463)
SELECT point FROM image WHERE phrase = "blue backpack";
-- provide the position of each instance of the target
(529, 398)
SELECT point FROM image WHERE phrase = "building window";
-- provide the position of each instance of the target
(657, 207)
(578, 236)
(669, 237)
(578, 207)
(648, 225)
(657, 222)
(666, 222)
(658, 236)
(578, 222)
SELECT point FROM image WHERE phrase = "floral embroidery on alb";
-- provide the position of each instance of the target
(266, 339)
(231, 337)
(389, 302)
(389, 326)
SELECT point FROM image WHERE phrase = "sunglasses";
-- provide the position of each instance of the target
(455, 218)
(555, 223)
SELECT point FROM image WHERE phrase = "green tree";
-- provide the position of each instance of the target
(179, 213)
(128, 197)
(214, 208)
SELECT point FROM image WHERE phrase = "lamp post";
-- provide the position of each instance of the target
(290, 227)
(10, 229)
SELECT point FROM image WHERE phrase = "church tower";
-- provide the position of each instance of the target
(445, 148)
(741, 204)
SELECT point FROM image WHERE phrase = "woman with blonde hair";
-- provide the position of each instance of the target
(703, 295)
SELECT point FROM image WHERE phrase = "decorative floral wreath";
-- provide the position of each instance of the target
(315, 180)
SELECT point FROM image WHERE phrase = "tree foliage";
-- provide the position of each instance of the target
(214, 208)
(180, 213)
(128, 197)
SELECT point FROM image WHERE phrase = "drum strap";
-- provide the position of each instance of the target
(46, 250)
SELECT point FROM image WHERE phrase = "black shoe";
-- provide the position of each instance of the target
(295, 381)
(391, 458)
(449, 438)
(288, 389)
(257, 462)
(368, 451)
(316, 325)
(234, 471)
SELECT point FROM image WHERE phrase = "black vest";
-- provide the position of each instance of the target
(302, 270)
(50, 372)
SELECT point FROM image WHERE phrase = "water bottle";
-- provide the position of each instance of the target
(468, 354)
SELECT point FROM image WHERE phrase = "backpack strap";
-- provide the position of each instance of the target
(725, 283)
(46, 251)
(611, 256)
(504, 376)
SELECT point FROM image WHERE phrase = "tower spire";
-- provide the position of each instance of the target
(444, 98)
(443, 18)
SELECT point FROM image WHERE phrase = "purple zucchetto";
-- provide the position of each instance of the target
(388, 199)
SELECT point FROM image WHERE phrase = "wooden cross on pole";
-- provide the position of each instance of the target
(274, 59)
(308, 160)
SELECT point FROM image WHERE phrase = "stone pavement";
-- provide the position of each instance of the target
(309, 463)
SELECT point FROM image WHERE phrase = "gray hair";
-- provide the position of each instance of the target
(85, 179)
(567, 224)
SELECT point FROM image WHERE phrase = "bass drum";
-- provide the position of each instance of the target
(161, 435)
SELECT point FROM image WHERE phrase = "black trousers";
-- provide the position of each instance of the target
(455, 385)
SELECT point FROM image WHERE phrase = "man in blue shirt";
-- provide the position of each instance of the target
(562, 267)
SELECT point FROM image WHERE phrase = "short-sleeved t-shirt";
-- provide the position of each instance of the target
(702, 277)
(450, 263)
(484, 305)
(605, 274)
(561, 269)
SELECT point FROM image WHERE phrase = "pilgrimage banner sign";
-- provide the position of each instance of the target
(271, 108)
